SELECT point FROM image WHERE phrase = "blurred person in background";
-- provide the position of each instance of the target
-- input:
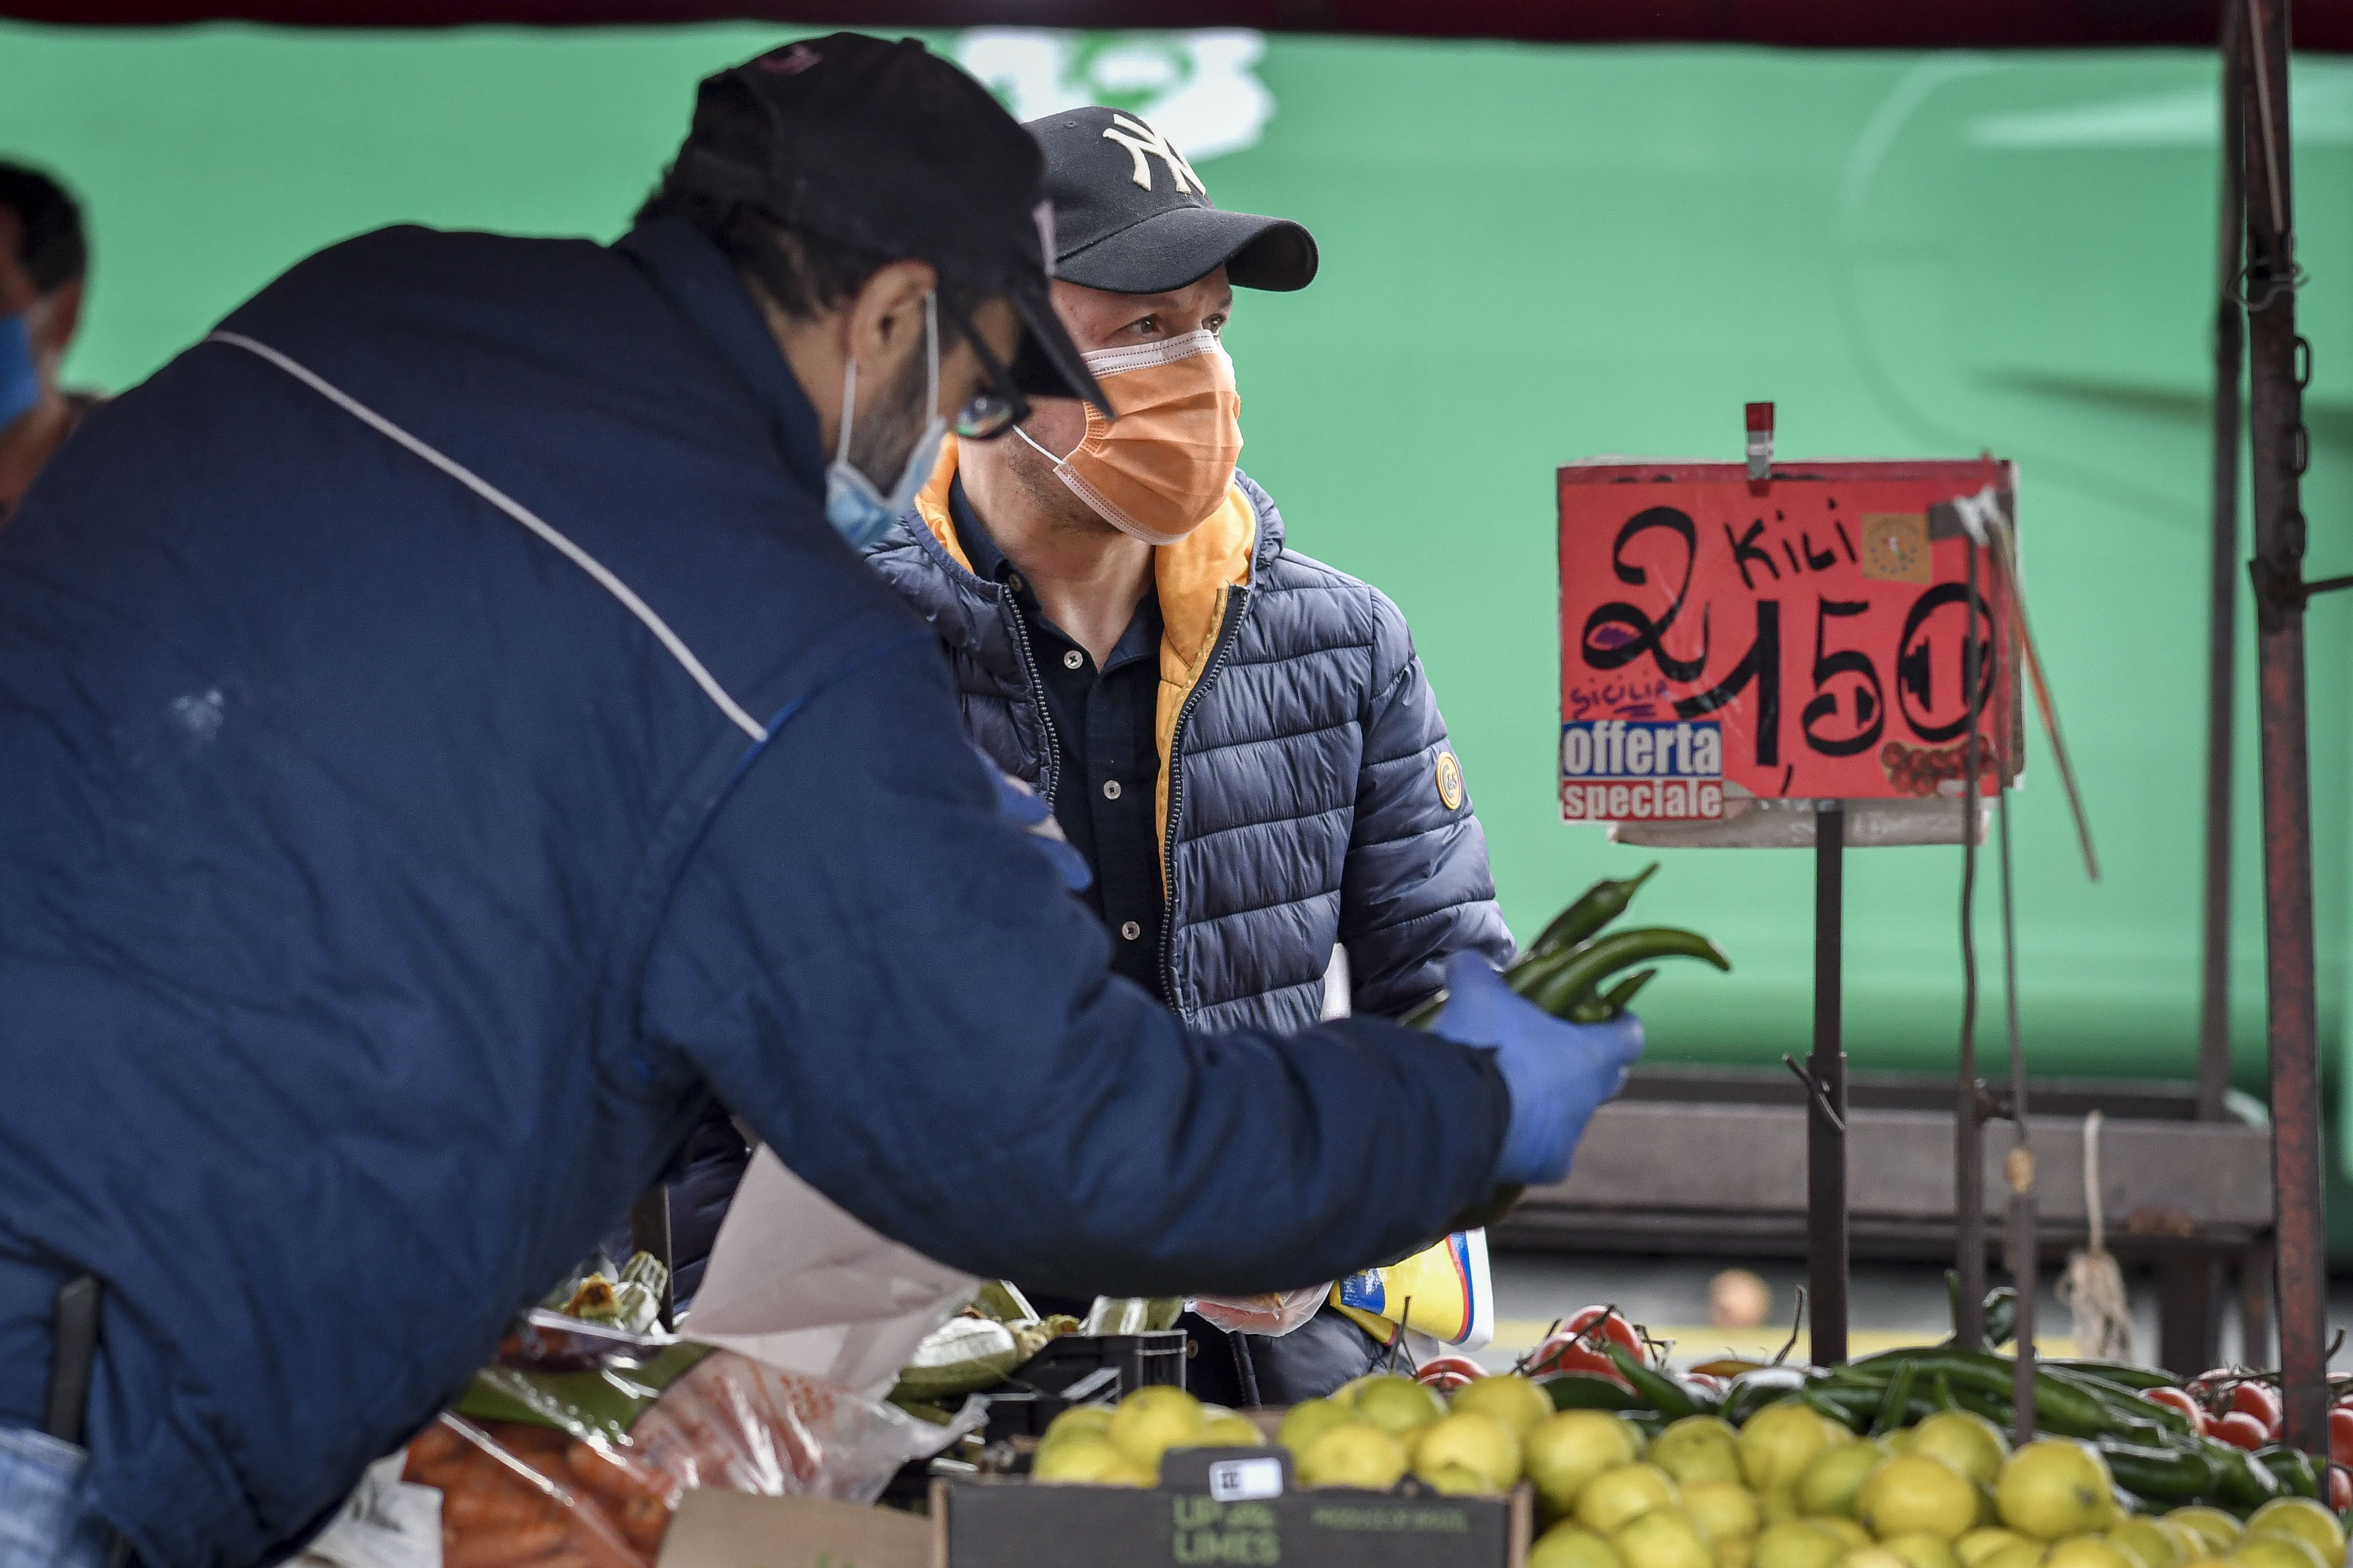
(44, 265)
(1239, 739)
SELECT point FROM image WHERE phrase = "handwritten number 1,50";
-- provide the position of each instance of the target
(1845, 679)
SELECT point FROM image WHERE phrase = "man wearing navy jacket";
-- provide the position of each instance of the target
(451, 742)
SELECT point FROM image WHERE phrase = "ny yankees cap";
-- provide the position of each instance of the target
(887, 147)
(1132, 217)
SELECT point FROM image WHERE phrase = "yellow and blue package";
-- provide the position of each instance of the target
(1444, 1292)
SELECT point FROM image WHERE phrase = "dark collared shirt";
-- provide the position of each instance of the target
(1109, 762)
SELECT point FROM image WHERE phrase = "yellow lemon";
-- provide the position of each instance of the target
(1846, 1530)
(1615, 1499)
(1573, 1546)
(1395, 1404)
(2304, 1518)
(1797, 1544)
(1567, 1450)
(2053, 1488)
(1735, 1551)
(1472, 1441)
(1698, 1448)
(1723, 1511)
(2264, 1549)
(1227, 1430)
(1779, 1505)
(1829, 1484)
(1873, 1557)
(1923, 1551)
(1963, 1440)
(2025, 1554)
(2148, 1543)
(1982, 1542)
(1509, 1398)
(2087, 1551)
(1308, 1420)
(1151, 1421)
(1092, 1418)
(1353, 1454)
(1087, 1458)
(1913, 1494)
(2218, 1530)
(1662, 1538)
(1457, 1481)
(1779, 1442)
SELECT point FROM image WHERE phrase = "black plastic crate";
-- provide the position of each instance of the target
(1082, 1369)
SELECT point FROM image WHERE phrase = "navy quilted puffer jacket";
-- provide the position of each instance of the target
(1313, 798)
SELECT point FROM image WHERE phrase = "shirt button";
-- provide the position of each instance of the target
(1072, 659)
(1013, 581)
(1131, 931)
(1111, 789)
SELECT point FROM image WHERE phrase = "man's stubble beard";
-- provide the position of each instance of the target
(1051, 501)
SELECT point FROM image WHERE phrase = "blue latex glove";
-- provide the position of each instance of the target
(1558, 1073)
(1029, 811)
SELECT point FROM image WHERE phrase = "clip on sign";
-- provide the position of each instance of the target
(1801, 636)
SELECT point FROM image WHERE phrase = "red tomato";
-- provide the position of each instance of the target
(2241, 1430)
(1448, 1373)
(1706, 1380)
(1565, 1353)
(2261, 1402)
(1614, 1328)
(2176, 1399)
(2341, 1436)
(2340, 1488)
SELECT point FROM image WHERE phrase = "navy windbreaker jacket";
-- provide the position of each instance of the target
(387, 885)
(1316, 799)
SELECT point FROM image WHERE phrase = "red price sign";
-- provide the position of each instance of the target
(1808, 637)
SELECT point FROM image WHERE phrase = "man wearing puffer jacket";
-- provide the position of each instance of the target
(1239, 739)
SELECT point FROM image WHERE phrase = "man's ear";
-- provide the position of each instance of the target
(59, 319)
(885, 322)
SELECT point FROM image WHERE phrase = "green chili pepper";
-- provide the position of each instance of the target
(2241, 1482)
(2292, 1467)
(2176, 1475)
(1595, 908)
(1660, 1392)
(1596, 1009)
(1604, 956)
(1897, 1400)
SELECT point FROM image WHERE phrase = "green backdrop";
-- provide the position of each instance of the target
(1531, 255)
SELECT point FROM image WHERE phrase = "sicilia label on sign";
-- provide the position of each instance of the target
(1619, 770)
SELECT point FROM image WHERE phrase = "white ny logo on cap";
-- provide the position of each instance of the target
(1139, 139)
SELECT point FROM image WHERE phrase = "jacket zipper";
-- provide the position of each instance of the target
(1038, 700)
(1235, 609)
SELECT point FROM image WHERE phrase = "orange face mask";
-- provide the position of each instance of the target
(1166, 466)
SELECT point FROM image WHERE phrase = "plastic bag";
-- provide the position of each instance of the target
(1273, 1314)
(573, 1451)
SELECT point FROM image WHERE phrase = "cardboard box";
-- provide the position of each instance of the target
(730, 1529)
(1227, 1506)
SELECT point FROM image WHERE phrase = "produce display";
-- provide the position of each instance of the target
(1895, 1462)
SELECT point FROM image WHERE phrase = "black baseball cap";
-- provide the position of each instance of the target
(889, 148)
(1132, 217)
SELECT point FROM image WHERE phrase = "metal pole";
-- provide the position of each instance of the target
(2023, 1245)
(1969, 1103)
(1826, 1228)
(2280, 449)
(2221, 615)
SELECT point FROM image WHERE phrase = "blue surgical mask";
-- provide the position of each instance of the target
(860, 512)
(20, 377)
